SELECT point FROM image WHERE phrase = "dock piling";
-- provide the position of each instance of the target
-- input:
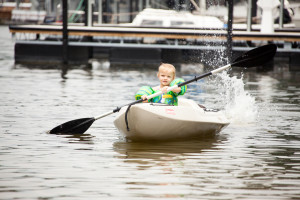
(65, 36)
(229, 30)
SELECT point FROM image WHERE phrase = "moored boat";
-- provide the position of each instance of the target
(152, 121)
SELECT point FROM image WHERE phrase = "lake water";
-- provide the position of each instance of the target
(256, 157)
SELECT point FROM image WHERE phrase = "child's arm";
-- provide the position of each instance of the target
(178, 90)
(143, 93)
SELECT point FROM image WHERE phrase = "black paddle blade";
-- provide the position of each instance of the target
(77, 126)
(256, 57)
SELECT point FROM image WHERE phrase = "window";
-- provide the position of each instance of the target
(151, 23)
(181, 23)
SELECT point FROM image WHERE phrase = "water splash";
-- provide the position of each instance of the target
(240, 106)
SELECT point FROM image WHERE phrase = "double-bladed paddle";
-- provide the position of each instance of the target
(253, 58)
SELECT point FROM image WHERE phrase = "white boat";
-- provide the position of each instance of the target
(153, 121)
(171, 18)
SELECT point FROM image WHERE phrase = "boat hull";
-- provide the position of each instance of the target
(162, 122)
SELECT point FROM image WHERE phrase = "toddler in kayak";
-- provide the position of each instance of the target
(166, 75)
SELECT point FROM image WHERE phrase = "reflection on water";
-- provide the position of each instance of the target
(250, 159)
(80, 138)
(160, 151)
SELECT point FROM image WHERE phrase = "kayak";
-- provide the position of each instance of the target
(155, 121)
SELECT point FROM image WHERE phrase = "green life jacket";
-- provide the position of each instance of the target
(169, 97)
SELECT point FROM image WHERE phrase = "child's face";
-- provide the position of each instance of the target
(165, 77)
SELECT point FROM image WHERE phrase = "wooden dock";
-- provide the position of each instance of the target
(167, 33)
(157, 40)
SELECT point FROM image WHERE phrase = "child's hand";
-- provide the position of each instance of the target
(164, 89)
(144, 97)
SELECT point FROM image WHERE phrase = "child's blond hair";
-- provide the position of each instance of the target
(167, 66)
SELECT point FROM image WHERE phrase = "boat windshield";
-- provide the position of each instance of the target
(181, 23)
(152, 23)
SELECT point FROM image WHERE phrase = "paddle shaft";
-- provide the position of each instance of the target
(202, 76)
(117, 109)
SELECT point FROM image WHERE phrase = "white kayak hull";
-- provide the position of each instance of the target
(147, 121)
